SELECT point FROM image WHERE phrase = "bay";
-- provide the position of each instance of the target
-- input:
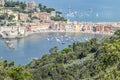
(37, 45)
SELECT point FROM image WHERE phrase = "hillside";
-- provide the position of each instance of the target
(93, 60)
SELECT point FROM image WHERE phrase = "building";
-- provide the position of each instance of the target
(44, 16)
(30, 5)
(35, 14)
(23, 17)
(37, 9)
(99, 28)
(77, 26)
(9, 12)
(53, 13)
(2, 2)
(32, 27)
(69, 26)
(16, 16)
(107, 28)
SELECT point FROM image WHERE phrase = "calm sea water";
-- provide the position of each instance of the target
(39, 44)
(86, 10)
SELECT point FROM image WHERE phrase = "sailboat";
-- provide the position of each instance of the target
(48, 39)
(57, 39)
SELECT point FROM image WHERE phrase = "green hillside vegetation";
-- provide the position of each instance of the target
(10, 72)
(22, 5)
(92, 60)
(44, 8)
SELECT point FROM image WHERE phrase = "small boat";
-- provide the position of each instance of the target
(9, 44)
(67, 39)
(57, 39)
(48, 39)
(86, 39)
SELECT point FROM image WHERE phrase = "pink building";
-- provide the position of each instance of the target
(107, 28)
(44, 16)
(22, 16)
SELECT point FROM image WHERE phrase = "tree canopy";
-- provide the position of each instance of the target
(8, 71)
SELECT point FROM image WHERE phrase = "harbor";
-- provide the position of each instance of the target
(25, 49)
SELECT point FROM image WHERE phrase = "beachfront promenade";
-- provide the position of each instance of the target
(81, 27)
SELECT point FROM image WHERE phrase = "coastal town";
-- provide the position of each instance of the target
(20, 19)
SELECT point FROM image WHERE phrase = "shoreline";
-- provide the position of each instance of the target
(54, 31)
(32, 33)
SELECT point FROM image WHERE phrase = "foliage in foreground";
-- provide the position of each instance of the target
(93, 60)
(10, 72)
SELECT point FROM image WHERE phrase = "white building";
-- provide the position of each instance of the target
(53, 13)
(2, 2)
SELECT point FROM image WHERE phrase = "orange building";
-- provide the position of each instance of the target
(45, 16)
